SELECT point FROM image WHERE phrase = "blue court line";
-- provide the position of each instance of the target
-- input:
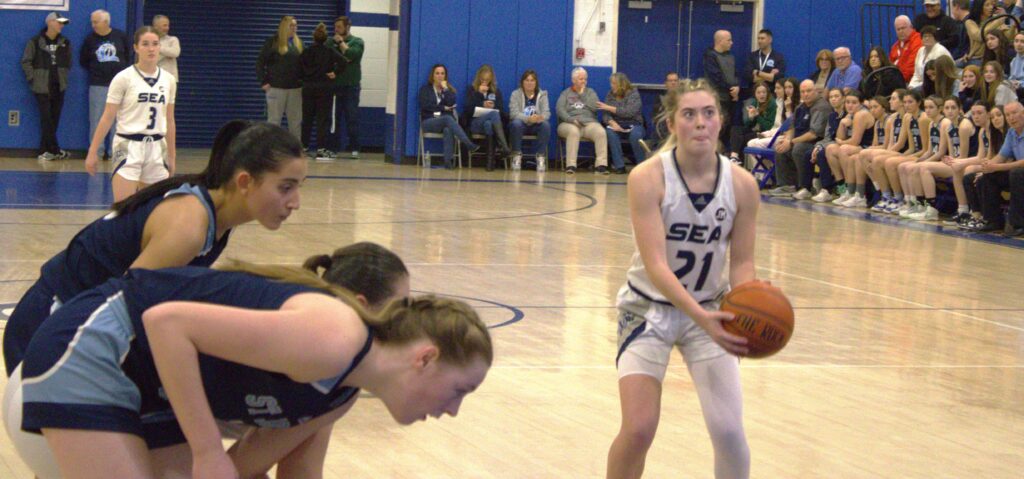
(818, 308)
(889, 220)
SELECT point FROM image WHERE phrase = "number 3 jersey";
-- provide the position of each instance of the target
(697, 231)
(143, 100)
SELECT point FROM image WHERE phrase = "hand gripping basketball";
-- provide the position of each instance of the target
(763, 315)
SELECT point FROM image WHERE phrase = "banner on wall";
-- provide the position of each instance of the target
(34, 4)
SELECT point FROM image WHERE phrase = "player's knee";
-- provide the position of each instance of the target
(639, 431)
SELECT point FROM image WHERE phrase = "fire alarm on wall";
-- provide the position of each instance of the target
(580, 53)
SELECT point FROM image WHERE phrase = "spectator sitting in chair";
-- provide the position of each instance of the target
(930, 50)
(623, 119)
(485, 95)
(793, 151)
(437, 113)
(903, 53)
(530, 111)
(880, 79)
(1005, 172)
(659, 131)
(847, 75)
(577, 116)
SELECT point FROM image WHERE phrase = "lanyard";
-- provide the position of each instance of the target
(764, 62)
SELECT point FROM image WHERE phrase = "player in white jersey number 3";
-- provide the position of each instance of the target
(688, 205)
(141, 97)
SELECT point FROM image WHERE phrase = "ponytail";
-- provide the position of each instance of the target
(364, 268)
(451, 325)
(253, 147)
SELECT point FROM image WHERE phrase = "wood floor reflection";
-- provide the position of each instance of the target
(907, 360)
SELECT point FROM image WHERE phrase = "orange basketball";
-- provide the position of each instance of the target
(763, 316)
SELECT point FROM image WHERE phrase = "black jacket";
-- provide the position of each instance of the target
(317, 61)
(720, 78)
(277, 70)
(475, 99)
(882, 82)
(774, 61)
(428, 101)
(35, 63)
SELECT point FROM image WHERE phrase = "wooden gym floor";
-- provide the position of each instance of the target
(907, 360)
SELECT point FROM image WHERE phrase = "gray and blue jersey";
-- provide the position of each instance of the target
(91, 367)
(104, 249)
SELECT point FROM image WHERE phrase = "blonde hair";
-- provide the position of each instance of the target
(451, 325)
(624, 84)
(670, 103)
(479, 73)
(281, 42)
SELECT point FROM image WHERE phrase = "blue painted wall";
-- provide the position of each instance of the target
(802, 27)
(512, 36)
(18, 27)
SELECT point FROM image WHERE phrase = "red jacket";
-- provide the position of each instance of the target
(903, 56)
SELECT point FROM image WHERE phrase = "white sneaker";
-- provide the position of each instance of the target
(803, 194)
(881, 205)
(927, 214)
(911, 209)
(782, 191)
(47, 156)
(517, 162)
(843, 198)
(822, 196)
(355, 154)
(893, 207)
(542, 164)
(855, 201)
(858, 201)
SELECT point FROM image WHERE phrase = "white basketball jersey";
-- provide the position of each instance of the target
(143, 101)
(697, 233)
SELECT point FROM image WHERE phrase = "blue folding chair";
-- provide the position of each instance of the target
(764, 166)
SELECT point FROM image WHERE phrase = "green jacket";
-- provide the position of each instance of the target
(351, 72)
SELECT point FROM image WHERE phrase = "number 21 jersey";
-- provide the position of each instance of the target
(697, 232)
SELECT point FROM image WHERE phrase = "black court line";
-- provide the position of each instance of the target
(802, 205)
(591, 202)
(464, 180)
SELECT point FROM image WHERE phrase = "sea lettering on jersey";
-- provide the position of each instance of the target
(159, 98)
(692, 233)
